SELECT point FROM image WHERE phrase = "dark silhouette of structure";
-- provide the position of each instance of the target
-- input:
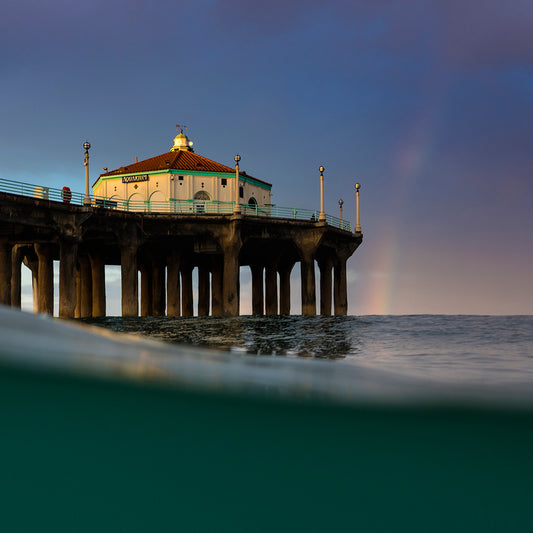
(85, 239)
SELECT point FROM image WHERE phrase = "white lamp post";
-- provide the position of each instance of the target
(237, 207)
(87, 197)
(322, 216)
(357, 222)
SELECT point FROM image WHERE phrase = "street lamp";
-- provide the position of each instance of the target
(357, 222)
(87, 197)
(237, 207)
(340, 208)
(322, 216)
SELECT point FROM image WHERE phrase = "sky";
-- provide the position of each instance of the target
(428, 105)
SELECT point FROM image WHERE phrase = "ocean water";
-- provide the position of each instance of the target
(416, 423)
(448, 349)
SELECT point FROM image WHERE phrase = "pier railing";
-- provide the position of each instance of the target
(170, 206)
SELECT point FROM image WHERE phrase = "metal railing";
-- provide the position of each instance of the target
(40, 191)
(170, 206)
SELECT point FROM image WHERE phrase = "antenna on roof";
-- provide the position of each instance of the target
(181, 127)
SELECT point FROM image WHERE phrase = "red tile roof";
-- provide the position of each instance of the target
(178, 160)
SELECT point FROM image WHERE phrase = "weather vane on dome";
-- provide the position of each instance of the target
(181, 127)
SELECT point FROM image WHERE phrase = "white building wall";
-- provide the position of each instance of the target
(170, 186)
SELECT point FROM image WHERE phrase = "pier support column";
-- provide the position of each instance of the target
(271, 290)
(158, 286)
(146, 288)
(325, 286)
(31, 261)
(173, 284)
(217, 308)
(308, 284)
(77, 310)
(98, 279)
(67, 279)
(285, 289)
(231, 243)
(258, 303)
(340, 292)
(86, 287)
(203, 290)
(5, 272)
(35, 290)
(17, 256)
(231, 282)
(46, 278)
(186, 290)
(130, 285)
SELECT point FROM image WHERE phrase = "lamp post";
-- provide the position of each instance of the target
(357, 222)
(237, 207)
(322, 216)
(340, 209)
(87, 197)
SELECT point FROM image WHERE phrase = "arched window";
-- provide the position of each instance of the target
(157, 196)
(200, 198)
(157, 202)
(136, 202)
(114, 201)
(251, 208)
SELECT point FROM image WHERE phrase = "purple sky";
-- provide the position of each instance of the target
(429, 105)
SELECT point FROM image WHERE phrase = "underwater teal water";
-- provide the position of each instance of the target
(413, 451)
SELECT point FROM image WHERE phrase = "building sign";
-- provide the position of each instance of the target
(134, 179)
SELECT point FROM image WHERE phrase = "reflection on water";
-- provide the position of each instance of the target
(480, 349)
(314, 336)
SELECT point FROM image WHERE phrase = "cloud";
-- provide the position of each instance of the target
(457, 32)
(466, 33)
(487, 32)
(65, 33)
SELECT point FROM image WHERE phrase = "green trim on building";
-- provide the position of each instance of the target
(246, 179)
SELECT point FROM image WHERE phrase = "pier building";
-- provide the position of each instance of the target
(210, 221)
(180, 179)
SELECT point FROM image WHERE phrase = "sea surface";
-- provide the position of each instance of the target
(373, 423)
(442, 348)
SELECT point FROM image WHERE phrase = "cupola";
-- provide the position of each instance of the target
(181, 142)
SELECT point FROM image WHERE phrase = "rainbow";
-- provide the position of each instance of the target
(408, 163)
